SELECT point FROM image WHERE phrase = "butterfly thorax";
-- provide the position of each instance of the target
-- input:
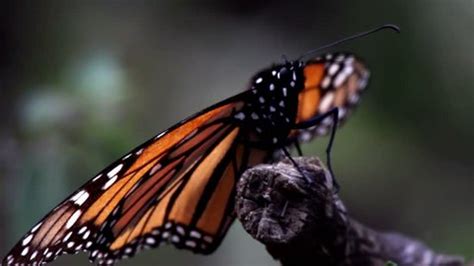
(271, 112)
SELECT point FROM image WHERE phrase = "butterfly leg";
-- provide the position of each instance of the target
(298, 148)
(288, 155)
(317, 120)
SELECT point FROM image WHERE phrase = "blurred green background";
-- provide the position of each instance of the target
(83, 82)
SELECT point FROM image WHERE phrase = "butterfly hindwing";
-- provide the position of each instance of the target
(334, 80)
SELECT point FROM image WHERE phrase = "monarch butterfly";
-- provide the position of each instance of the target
(178, 187)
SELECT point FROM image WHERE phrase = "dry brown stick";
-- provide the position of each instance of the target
(303, 223)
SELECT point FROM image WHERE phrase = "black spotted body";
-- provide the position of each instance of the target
(271, 111)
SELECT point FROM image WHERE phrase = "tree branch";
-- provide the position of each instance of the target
(303, 223)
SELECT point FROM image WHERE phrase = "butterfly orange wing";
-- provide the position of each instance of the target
(194, 211)
(165, 169)
(333, 80)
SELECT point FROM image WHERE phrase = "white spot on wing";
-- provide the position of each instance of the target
(86, 235)
(155, 169)
(97, 177)
(326, 102)
(109, 183)
(333, 69)
(348, 70)
(24, 251)
(321, 131)
(82, 198)
(27, 240)
(259, 80)
(59, 251)
(190, 243)
(82, 230)
(342, 112)
(195, 234)
(340, 78)
(180, 230)
(36, 227)
(327, 121)
(175, 238)
(363, 83)
(160, 135)
(66, 238)
(353, 98)
(77, 195)
(325, 83)
(72, 220)
(349, 60)
(150, 240)
(115, 170)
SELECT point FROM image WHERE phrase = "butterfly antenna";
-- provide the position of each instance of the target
(350, 38)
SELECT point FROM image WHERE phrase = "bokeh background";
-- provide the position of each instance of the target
(83, 82)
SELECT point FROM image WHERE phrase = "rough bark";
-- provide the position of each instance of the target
(302, 221)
